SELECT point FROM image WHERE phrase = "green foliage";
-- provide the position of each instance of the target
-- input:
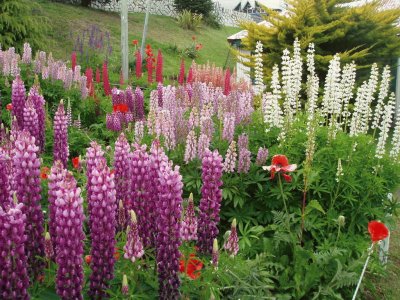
(363, 33)
(189, 20)
(20, 22)
(203, 7)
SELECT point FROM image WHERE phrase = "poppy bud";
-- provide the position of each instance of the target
(341, 221)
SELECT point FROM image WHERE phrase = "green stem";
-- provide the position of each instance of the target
(282, 194)
(337, 237)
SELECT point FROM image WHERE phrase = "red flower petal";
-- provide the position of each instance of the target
(378, 231)
(280, 160)
(9, 106)
(75, 162)
(287, 177)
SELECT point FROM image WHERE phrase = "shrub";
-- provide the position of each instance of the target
(203, 7)
(189, 20)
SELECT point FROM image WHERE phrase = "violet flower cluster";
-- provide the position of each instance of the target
(230, 158)
(133, 248)
(31, 121)
(60, 144)
(69, 229)
(262, 156)
(191, 147)
(26, 184)
(244, 154)
(102, 228)
(189, 222)
(210, 203)
(18, 100)
(231, 244)
(14, 280)
(5, 188)
(39, 103)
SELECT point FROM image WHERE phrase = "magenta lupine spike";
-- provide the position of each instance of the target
(121, 215)
(48, 247)
(39, 104)
(117, 96)
(133, 248)
(159, 68)
(144, 171)
(202, 145)
(230, 158)
(121, 168)
(190, 76)
(14, 280)
(229, 127)
(94, 154)
(70, 237)
(181, 76)
(139, 104)
(169, 211)
(5, 191)
(106, 80)
(244, 154)
(210, 203)
(227, 82)
(138, 65)
(231, 244)
(60, 128)
(191, 147)
(130, 99)
(18, 100)
(26, 184)
(102, 228)
(98, 79)
(73, 60)
(160, 88)
(57, 174)
(31, 123)
(262, 156)
(189, 222)
(215, 254)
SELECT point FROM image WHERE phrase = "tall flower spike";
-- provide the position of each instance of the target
(18, 100)
(189, 222)
(244, 154)
(215, 254)
(14, 280)
(60, 144)
(227, 82)
(102, 229)
(106, 80)
(125, 287)
(230, 158)
(48, 246)
(39, 104)
(121, 215)
(262, 156)
(181, 77)
(70, 237)
(138, 68)
(169, 211)
(231, 244)
(133, 248)
(5, 191)
(229, 126)
(258, 69)
(31, 121)
(73, 60)
(159, 68)
(26, 184)
(210, 203)
(191, 147)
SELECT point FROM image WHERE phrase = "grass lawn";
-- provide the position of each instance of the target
(164, 33)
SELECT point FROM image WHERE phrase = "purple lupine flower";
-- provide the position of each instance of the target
(230, 158)
(39, 103)
(129, 99)
(194, 118)
(125, 287)
(117, 96)
(48, 246)
(191, 147)
(102, 228)
(121, 215)
(244, 154)
(262, 156)
(189, 222)
(203, 145)
(139, 104)
(57, 174)
(27, 55)
(68, 78)
(160, 88)
(121, 168)
(139, 131)
(210, 203)
(45, 73)
(231, 244)
(215, 254)
(94, 154)
(5, 191)
(31, 121)
(84, 89)
(133, 248)
(229, 127)
(14, 68)
(18, 100)
(207, 126)
(169, 211)
(26, 184)
(60, 144)
(142, 192)
(14, 280)
(70, 237)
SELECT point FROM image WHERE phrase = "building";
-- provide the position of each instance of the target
(249, 6)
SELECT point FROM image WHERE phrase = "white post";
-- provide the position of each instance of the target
(146, 21)
(397, 87)
(124, 39)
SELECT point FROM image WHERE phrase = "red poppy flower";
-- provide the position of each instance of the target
(378, 231)
(193, 266)
(280, 164)
(148, 46)
(44, 172)
(88, 259)
(135, 42)
(121, 108)
(75, 162)
(9, 106)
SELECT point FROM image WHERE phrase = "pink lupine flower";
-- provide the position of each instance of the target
(159, 67)
(189, 222)
(191, 147)
(230, 158)
(133, 248)
(73, 60)
(181, 77)
(231, 244)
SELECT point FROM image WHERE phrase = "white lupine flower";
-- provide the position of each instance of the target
(339, 172)
(297, 69)
(332, 94)
(258, 68)
(385, 126)
(383, 93)
(395, 151)
(312, 83)
(346, 87)
(273, 115)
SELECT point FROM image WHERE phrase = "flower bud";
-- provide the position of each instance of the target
(341, 221)
(125, 287)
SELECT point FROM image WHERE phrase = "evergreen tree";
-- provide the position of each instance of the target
(20, 23)
(365, 33)
(204, 7)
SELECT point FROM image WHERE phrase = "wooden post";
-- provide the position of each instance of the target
(124, 39)
(146, 22)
